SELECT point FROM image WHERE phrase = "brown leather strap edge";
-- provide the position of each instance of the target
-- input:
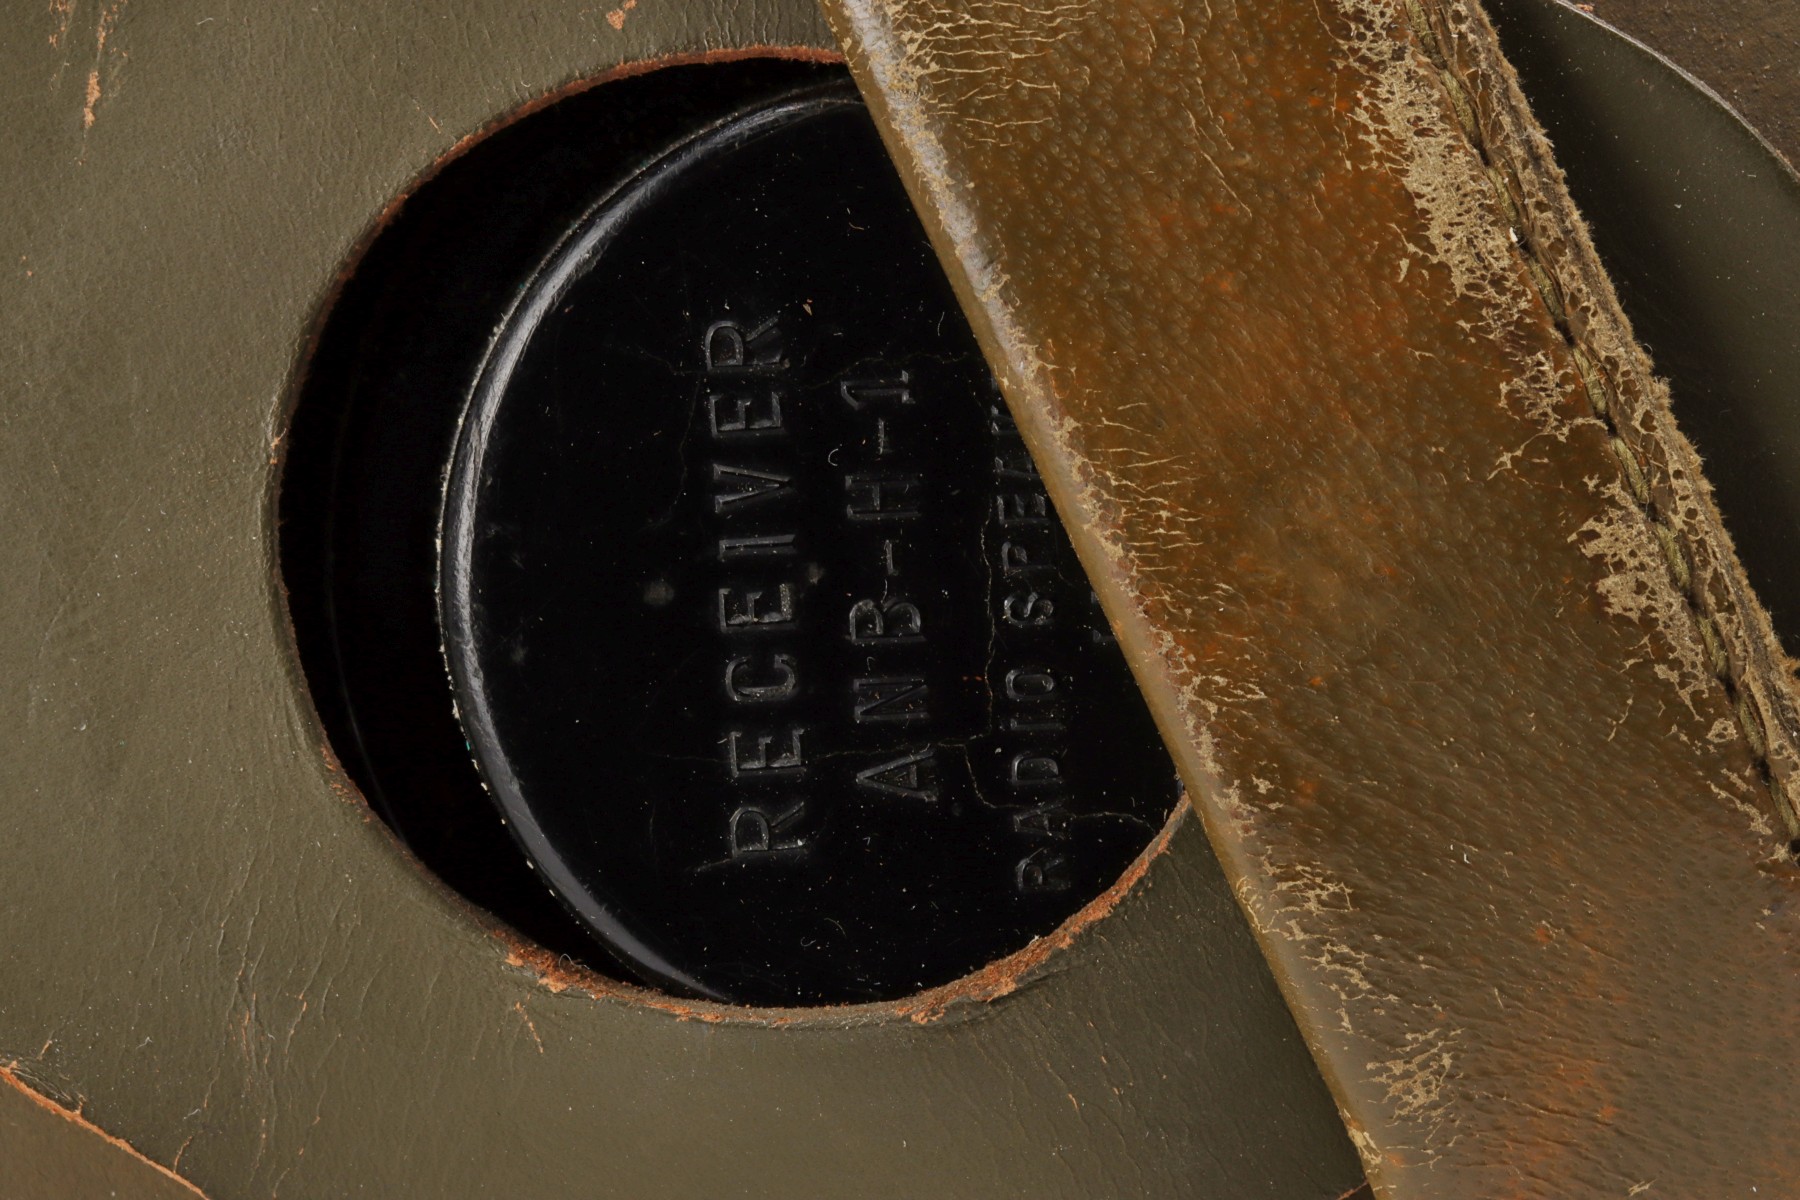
(1659, 469)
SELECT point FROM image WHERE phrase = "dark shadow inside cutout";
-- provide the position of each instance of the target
(372, 432)
(1696, 220)
(763, 634)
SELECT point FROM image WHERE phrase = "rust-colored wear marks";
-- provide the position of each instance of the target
(1423, 584)
(1005, 976)
(558, 974)
(62, 14)
(104, 62)
(530, 1025)
(106, 59)
(997, 979)
(10, 1078)
(616, 18)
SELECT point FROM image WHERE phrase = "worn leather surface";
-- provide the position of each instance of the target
(210, 946)
(1698, 224)
(1437, 614)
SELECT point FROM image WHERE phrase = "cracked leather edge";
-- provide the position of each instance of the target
(880, 47)
(1659, 466)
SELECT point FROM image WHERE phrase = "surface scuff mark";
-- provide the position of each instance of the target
(1636, 587)
(530, 1025)
(103, 61)
(616, 18)
(10, 1078)
(1415, 134)
(1415, 1081)
(63, 13)
(107, 58)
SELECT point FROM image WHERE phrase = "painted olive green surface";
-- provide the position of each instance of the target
(50, 1155)
(206, 942)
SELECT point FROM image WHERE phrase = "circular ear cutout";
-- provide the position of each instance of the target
(669, 574)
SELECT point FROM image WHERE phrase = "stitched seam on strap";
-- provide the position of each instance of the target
(1604, 401)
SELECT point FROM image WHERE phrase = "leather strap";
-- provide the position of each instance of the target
(1424, 584)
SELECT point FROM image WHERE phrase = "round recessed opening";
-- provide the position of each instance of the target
(669, 576)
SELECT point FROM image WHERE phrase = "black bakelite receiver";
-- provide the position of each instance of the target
(761, 631)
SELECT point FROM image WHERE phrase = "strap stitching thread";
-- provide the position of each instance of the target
(1603, 398)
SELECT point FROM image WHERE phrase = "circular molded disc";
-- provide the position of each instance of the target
(763, 631)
